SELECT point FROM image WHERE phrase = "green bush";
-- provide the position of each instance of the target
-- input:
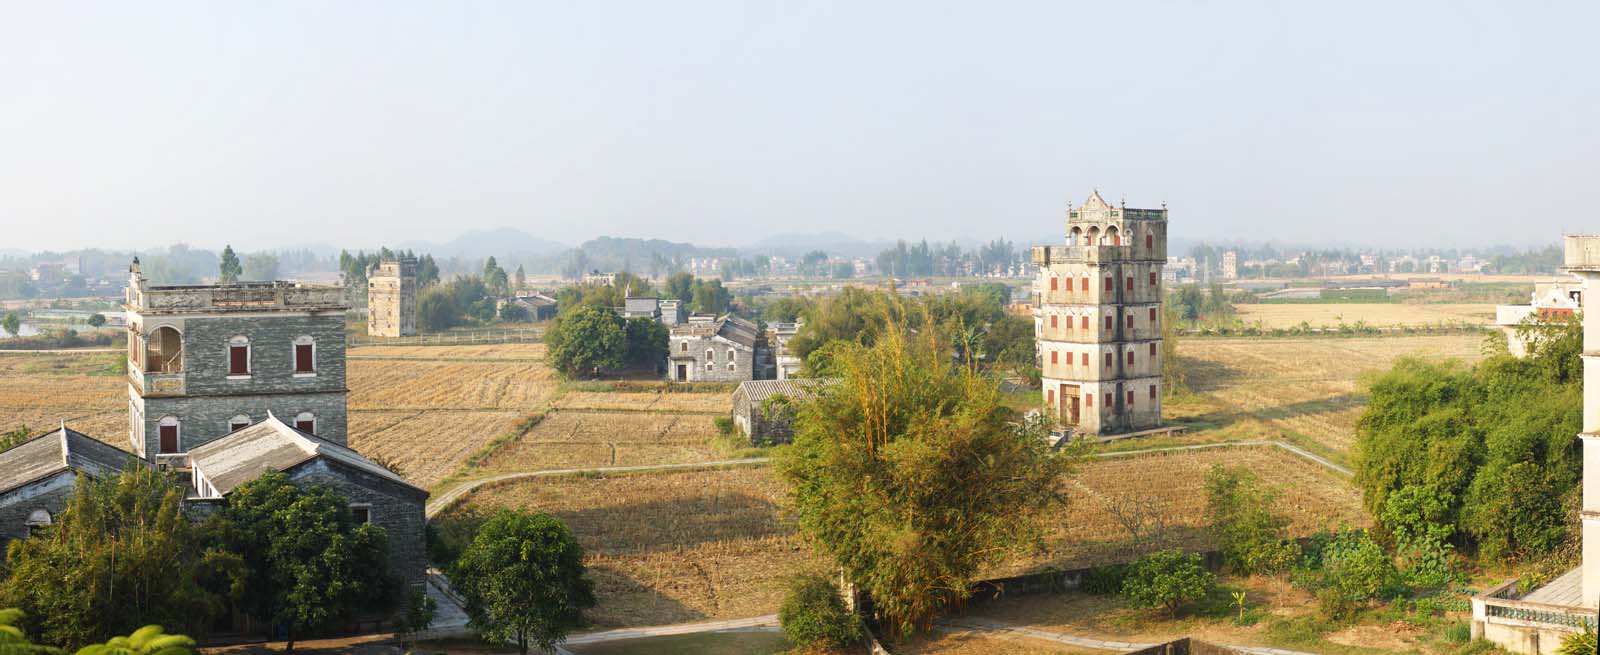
(814, 616)
(1243, 525)
(725, 425)
(1355, 569)
(1104, 580)
(1582, 643)
(1167, 579)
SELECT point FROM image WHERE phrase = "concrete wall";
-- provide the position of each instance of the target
(204, 418)
(395, 508)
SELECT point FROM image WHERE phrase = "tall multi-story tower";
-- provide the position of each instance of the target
(1230, 265)
(204, 361)
(1582, 258)
(392, 298)
(1099, 318)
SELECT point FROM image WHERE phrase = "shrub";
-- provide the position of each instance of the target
(814, 616)
(1167, 579)
(1355, 569)
(1582, 643)
(725, 425)
(1104, 580)
(1242, 524)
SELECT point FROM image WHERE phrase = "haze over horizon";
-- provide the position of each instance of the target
(272, 125)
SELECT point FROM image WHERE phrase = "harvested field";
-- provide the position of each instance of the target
(87, 390)
(1089, 533)
(641, 401)
(574, 439)
(672, 547)
(531, 351)
(1299, 386)
(684, 546)
(947, 641)
(1288, 315)
(449, 385)
(426, 444)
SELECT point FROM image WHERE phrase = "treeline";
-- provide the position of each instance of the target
(590, 339)
(950, 260)
(124, 554)
(973, 321)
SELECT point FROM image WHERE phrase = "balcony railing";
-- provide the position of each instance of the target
(1498, 605)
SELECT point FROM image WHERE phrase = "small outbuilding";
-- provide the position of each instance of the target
(764, 409)
(38, 477)
(376, 494)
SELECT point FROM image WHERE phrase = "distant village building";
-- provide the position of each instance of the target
(642, 308)
(39, 476)
(392, 298)
(707, 349)
(598, 278)
(1099, 318)
(204, 361)
(540, 307)
(376, 494)
(786, 362)
(1230, 265)
(1551, 300)
(672, 312)
(764, 411)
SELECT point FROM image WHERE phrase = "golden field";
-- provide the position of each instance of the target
(579, 438)
(88, 391)
(683, 546)
(1289, 315)
(1276, 388)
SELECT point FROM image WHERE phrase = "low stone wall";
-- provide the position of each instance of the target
(1187, 646)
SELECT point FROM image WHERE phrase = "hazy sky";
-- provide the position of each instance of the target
(269, 124)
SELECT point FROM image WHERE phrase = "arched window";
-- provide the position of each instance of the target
(167, 430)
(305, 422)
(239, 357)
(711, 355)
(239, 422)
(163, 351)
(305, 356)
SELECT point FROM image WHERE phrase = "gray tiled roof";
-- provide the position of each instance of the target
(247, 453)
(758, 391)
(56, 451)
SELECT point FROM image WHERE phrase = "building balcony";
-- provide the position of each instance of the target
(153, 385)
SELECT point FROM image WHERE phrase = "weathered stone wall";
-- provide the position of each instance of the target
(205, 346)
(392, 299)
(50, 494)
(694, 359)
(204, 418)
(395, 508)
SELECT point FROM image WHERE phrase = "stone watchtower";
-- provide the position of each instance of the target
(204, 361)
(392, 298)
(1582, 258)
(1098, 318)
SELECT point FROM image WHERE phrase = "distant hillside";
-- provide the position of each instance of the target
(833, 243)
(498, 242)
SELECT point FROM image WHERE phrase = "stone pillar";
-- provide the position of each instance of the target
(1583, 260)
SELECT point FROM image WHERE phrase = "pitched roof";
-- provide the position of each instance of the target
(738, 330)
(53, 452)
(248, 452)
(757, 391)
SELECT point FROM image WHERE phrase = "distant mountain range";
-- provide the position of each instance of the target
(508, 242)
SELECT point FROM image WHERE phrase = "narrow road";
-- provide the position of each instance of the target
(445, 499)
(986, 625)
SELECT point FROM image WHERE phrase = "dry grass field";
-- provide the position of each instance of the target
(1288, 315)
(1295, 387)
(647, 401)
(580, 438)
(88, 391)
(683, 546)
(499, 351)
(969, 642)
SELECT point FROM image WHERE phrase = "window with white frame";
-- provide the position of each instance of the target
(361, 513)
(239, 357)
(167, 431)
(711, 355)
(305, 355)
(305, 422)
(239, 422)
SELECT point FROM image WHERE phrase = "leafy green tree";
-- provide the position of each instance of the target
(12, 324)
(1241, 520)
(912, 475)
(229, 269)
(149, 640)
(437, 310)
(260, 266)
(709, 297)
(813, 615)
(97, 320)
(586, 341)
(1167, 579)
(520, 278)
(1355, 570)
(122, 555)
(1010, 340)
(647, 340)
(309, 564)
(680, 285)
(522, 579)
(15, 437)
(1415, 517)
(853, 315)
(494, 278)
(427, 272)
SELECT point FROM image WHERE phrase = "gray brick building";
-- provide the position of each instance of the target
(204, 361)
(376, 494)
(38, 477)
(727, 349)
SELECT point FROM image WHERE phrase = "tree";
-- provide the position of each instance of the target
(1240, 518)
(437, 310)
(586, 340)
(680, 285)
(1355, 569)
(12, 323)
(814, 617)
(15, 437)
(228, 270)
(122, 555)
(494, 278)
(913, 475)
(260, 266)
(520, 278)
(149, 640)
(511, 311)
(709, 297)
(13, 641)
(427, 272)
(1167, 579)
(522, 579)
(415, 616)
(647, 340)
(309, 564)
(97, 320)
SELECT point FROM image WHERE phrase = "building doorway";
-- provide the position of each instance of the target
(1070, 403)
(683, 373)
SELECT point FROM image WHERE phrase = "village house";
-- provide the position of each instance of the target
(726, 349)
(540, 307)
(1554, 300)
(38, 477)
(376, 494)
(392, 298)
(763, 409)
(786, 363)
